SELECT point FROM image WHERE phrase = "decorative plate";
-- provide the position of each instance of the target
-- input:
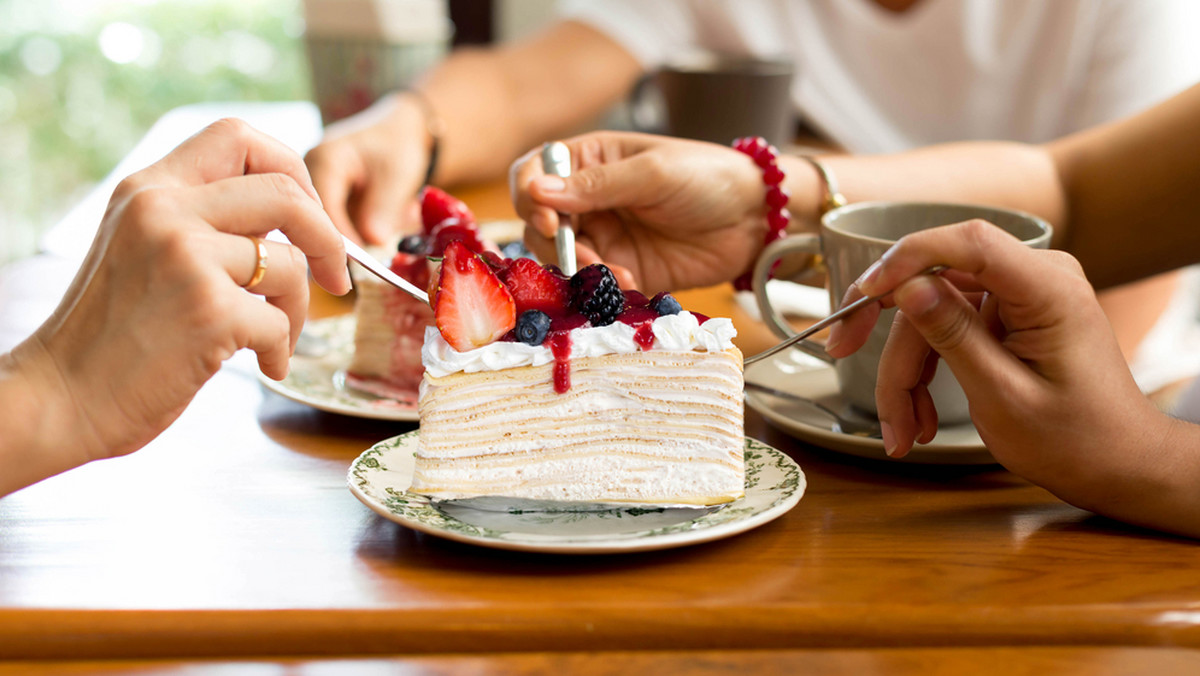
(318, 375)
(380, 477)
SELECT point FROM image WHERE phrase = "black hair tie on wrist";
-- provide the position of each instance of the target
(433, 127)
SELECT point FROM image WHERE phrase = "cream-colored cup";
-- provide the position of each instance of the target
(853, 237)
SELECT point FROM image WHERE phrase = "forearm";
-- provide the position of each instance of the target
(37, 437)
(1010, 175)
(496, 104)
(1131, 188)
(1157, 482)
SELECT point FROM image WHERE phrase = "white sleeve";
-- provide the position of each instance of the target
(651, 30)
(1144, 52)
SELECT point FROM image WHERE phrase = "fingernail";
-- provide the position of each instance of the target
(869, 275)
(918, 295)
(889, 438)
(835, 337)
(551, 184)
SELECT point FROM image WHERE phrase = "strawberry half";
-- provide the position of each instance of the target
(437, 206)
(471, 307)
(534, 287)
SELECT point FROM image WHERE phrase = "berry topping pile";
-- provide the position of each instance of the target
(480, 298)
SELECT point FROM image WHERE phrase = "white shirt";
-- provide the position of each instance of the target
(945, 70)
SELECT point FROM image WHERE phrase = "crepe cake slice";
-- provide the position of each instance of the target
(546, 388)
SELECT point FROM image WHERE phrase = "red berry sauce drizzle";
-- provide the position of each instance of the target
(560, 346)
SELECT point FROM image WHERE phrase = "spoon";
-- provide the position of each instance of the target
(556, 161)
(847, 421)
(359, 254)
(833, 317)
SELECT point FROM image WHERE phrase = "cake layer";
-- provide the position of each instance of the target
(389, 332)
(653, 427)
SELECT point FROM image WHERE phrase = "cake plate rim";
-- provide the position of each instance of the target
(774, 485)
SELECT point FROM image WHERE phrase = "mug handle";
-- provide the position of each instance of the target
(806, 243)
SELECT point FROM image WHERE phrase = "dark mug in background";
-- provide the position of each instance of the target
(359, 50)
(717, 98)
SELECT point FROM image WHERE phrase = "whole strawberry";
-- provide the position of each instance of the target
(437, 206)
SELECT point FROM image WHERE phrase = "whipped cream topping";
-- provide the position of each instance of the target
(679, 332)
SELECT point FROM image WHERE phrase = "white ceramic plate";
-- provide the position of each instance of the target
(380, 477)
(318, 375)
(801, 375)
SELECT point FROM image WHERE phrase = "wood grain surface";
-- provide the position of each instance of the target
(233, 535)
(1064, 661)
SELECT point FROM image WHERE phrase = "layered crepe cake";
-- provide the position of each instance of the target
(389, 324)
(546, 388)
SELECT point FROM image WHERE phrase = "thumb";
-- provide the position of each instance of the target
(621, 184)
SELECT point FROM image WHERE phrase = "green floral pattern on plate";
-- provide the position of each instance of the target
(319, 379)
(380, 477)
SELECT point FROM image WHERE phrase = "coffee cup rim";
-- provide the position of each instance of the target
(706, 62)
(834, 214)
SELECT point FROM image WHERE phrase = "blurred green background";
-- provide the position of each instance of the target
(81, 81)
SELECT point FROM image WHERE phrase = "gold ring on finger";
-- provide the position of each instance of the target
(260, 265)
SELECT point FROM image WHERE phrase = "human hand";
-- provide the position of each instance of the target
(159, 302)
(369, 167)
(1049, 391)
(664, 213)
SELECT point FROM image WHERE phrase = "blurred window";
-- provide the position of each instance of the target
(81, 81)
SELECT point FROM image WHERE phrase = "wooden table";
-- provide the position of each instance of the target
(233, 536)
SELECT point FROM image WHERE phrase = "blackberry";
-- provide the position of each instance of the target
(412, 244)
(532, 327)
(595, 294)
(665, 304)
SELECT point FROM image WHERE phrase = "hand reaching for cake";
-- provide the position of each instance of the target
(166, 294)
(672, 214)
(1049, 390)
(368, 169)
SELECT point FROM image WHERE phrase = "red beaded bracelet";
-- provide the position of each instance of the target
(764, 155)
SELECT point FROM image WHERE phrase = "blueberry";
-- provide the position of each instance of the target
(514, 250)
(665, 304)
(532, 327)
(412, 244)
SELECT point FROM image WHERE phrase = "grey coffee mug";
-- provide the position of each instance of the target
(717, 98)
(853, 237)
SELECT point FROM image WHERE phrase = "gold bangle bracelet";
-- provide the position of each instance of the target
(832, 198)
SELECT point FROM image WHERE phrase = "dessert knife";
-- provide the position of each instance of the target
(359, 254)
(833, 317)
(556, 161)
